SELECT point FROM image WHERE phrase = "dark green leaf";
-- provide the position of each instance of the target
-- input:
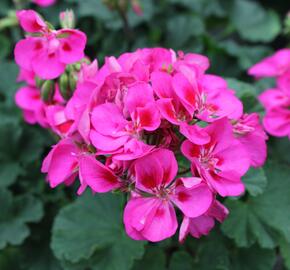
(90, 232)
(16, 212)
(255, 181)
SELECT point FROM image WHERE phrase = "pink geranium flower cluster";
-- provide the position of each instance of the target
(276, 101)
(126, 125)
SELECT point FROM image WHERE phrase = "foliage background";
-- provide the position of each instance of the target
(44, 229)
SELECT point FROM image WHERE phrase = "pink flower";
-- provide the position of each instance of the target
(222, 161)
(48, 54)
(61, 164)
(153, 217)
(203, 224)
(250, 133)
(44, 3)
(28, 99)
(272, 66)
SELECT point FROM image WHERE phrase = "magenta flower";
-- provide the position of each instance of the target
(153, 217)
(250, 133)
(48, 53)
(203, 224)
(44, 3)
(214, 161)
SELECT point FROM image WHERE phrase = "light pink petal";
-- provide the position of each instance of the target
(72, 47)
(96, 175)
(273, 98)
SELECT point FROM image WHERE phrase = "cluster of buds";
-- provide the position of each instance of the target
(126, 126)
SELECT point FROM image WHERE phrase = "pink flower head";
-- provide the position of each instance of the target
(222, 161)
(48, 54)
(250, 133)
(61, 164)
(44, 3)
(272, 66)
(203, 224)
(153, 217)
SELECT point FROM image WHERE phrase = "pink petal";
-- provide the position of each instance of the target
(162, 84)
(193, 201)
(194, 133)
(148, 117)
(61, 162)
(30, 21)
(107, 119)
(47, 66)
(71, 47)
(96, 175)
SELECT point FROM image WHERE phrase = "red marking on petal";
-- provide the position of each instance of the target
(38, 45)
(66, 47)
(64, 128)
(160, 212)
(189, 95)
(182, 196)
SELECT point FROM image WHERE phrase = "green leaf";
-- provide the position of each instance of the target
(247, 55)
(5, 46)
(16, 212)
(8, 75)
(9, 172)
(246, 92)
(181, 27)
(253, 22)
(285, 251)
(153, 259)
(255, 181)
(90, 232)
(254, 258)
(212, 249)
(259, 218)
(181, 260)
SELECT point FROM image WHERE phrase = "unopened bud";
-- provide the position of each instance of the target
(47, 91)
(67, 19)
(38, 82)
(72, 82)
(137, 7)
(64, 88)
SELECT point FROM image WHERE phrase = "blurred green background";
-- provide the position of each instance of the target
(44, 229)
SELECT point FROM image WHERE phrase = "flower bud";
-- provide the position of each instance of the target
(64, 86)
(67, 19)
(47, 91)
(72, 82)
(38, 82)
